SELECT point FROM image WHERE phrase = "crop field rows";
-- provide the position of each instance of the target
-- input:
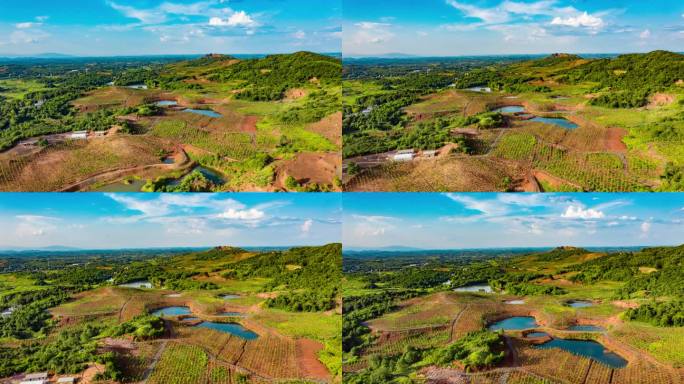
(184, 364)
(499, 376)
(271, 356)
(572, 369)
(455, 173)
(593, 171)
(395, 342)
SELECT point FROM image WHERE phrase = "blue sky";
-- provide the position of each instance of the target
(490, 220)
(133, 220)
(479, 27)
(142, 27)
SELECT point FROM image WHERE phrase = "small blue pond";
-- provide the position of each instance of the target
(137, 284)
(514, 323)
(537, 334)
(166, 103)
(563, 123)
(586, 328)
(480, 89)
(229, 297)
(172, 311)
(232, 328)
(482, 288)
(191, 318)
(587, 348)
(510, 109)
(579, 304)
(204, 112)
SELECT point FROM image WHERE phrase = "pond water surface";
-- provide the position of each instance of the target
(232, 328)
(480, 89)
(204, 112)
(172, 311)
(166, 103)
(137, 284)
(475, 288)
(537, 334)
(137, 86)
(510, 109)
(515, 302)
(587, 348)
(514, 323)
(579, 304)
(229, 297)
(559, 121)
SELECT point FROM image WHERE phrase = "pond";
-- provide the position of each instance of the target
(510, 109)
(559, 121)
(134, 185)
(172, 311)
(587, 348)
(515, 302)
(229, 297)
(166, 103)
(536, 334)
(211, 175)
(475, 288)
(192, 318)
(169, 160)
(137, 284)
(232, 328)
(204, 112)
(137, 86)
(579, 303)
(586, 328)
(514, 323)
(480, 89)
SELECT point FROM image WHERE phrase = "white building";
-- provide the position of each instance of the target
(404, 155)
(79, 135)
(35, 378)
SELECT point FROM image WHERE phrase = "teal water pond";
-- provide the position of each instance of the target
(204, 112)
(558, 121)
(172, 311)
(587, 348)
(579, 303)
(510, 109)
(514, 323)
(232, 328)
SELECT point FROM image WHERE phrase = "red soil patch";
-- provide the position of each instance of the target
(329, 127)
(307, 358)
(625, 304)
(295, 93)
(306, 168)
(248, 124)
(613, 139)
(661, 99)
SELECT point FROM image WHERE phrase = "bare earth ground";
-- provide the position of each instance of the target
(317, 168)
(330, 128)
(310, 366)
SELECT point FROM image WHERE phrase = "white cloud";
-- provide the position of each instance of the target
(488, 15)
(28, 25)
(42, 18)
(583, 20)
(306, 226)
(27, 36)
(147, 16)
(645, 227)
(372, 226)
(247, 214)
(299, 35)
(368, 32)
(237, 19)
(35, 225)
(579, 212)
(645, 34)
